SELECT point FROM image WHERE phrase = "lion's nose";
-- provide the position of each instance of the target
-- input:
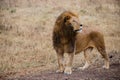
(80, 24)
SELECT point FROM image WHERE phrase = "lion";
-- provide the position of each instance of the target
(69, 38)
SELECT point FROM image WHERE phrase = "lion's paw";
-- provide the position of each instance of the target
(59, 71)
(81, 68)
(106, 67)
(68, 70)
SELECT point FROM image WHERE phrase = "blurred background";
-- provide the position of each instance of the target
(26, 31)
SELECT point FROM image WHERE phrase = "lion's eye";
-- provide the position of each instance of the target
(74, 21)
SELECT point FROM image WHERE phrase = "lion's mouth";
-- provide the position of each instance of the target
(80, 29)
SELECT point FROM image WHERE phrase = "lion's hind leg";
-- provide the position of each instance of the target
(87, 60)
(105, 56)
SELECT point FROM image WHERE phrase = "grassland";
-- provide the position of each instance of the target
(26, 33)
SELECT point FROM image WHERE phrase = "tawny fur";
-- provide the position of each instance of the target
(67, 40)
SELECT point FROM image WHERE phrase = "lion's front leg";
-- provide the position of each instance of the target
(60, 57)
(68, 68)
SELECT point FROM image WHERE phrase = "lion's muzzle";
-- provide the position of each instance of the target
(80, 29)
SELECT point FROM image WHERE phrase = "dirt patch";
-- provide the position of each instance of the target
(94, 72)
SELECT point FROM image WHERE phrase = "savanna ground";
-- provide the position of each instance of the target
(26, 50)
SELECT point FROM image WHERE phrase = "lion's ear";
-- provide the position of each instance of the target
(66, 18)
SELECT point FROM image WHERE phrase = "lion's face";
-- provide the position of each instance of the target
(72, 22)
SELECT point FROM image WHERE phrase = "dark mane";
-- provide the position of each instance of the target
(63, 34)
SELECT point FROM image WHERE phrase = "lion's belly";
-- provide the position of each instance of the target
(82, 42)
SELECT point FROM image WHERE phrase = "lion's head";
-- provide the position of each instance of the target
(68, 20)
(64, 31)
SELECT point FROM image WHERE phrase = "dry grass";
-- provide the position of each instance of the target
(25, 33)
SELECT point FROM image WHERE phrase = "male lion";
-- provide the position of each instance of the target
(67, 38)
